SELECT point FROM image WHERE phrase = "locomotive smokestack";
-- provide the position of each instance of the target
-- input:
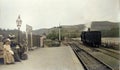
(88, 29)
(87, 26)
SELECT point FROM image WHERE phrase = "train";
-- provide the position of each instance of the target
(91, 38)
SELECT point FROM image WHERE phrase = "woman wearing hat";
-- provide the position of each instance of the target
(8, 52)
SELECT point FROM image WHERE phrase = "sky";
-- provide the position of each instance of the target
(50, 13)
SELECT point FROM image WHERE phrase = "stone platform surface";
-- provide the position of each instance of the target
(54, 58)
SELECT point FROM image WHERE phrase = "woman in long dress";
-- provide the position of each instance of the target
(8, 53)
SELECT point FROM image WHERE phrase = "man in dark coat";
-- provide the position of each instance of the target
(16, 50)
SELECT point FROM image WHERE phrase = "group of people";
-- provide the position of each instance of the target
(12, 51)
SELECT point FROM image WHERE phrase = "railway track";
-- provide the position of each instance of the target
(89, 62)
(111, 50)
(107, 51)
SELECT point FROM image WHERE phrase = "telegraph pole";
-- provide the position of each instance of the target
(59, 33)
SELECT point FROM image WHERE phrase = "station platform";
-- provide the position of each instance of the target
(54, 58)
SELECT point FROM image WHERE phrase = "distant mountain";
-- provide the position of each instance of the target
(79, 27)
(40, 31)
(95, 25)
(108, 29)
(104, 25)
(64, 28)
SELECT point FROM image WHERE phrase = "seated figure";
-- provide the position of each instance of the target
(8, 52)
(16, 49)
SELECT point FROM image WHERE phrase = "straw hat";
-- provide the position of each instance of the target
(8, 40)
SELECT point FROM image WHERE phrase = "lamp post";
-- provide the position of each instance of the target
(19, 23)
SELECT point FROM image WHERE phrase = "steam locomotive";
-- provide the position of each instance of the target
(91, 38)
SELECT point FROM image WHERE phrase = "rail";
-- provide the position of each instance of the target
(86, 59)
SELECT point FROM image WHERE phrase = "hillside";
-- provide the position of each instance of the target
(40, 31)
(64, 28)
(108, 29)
(104, 25)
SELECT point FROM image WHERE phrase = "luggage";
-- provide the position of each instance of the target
(24, 56)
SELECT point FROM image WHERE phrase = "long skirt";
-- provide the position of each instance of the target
(8, 57)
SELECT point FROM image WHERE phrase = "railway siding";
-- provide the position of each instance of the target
(112, 62)
(110, 53)
(89, 62)
(108, 60)
(111, 50)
